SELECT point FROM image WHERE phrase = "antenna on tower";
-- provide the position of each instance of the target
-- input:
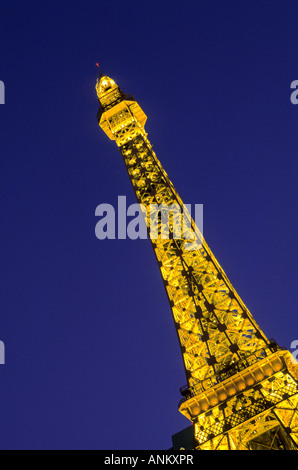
(100, 72)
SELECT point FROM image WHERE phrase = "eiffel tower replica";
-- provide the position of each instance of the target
(241, 391)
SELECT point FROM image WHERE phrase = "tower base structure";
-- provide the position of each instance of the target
(184, 440)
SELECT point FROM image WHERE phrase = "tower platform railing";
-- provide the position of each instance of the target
(247, 361)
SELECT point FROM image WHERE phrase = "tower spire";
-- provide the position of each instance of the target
(241, 388)
(99, 70)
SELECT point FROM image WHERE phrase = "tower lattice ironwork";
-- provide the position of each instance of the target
(241, 391)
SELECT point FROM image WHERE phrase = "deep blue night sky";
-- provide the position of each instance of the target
(92, 357)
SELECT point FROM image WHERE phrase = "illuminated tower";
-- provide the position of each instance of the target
(241, 388)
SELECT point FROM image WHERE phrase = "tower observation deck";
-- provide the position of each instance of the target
(241, 391)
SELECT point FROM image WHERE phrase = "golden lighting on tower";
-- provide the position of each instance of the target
(241, 391)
